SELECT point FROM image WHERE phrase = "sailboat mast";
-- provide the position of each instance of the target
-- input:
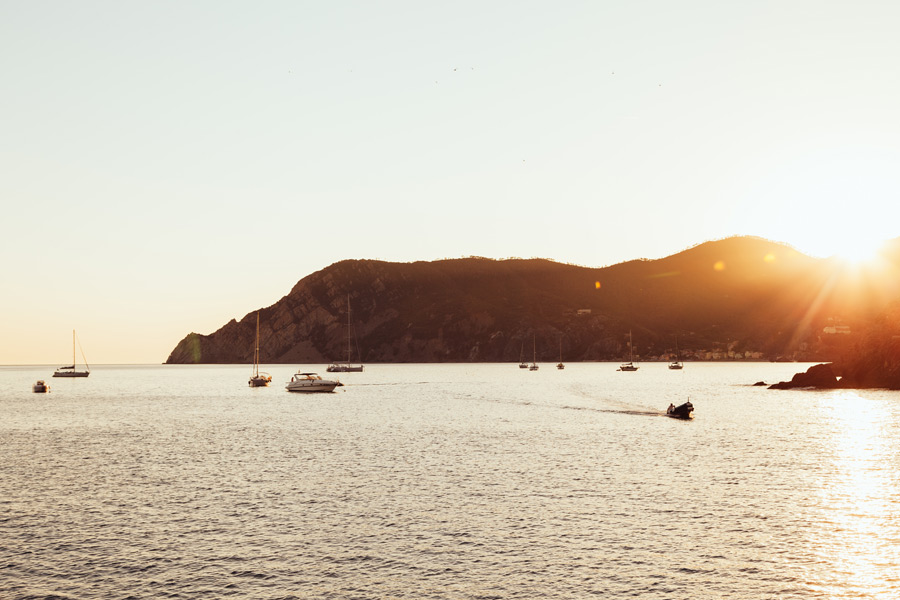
(256, 351)
(349, 335)
(73, 347)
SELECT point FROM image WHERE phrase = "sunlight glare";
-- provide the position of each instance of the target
(854, 493)
(860, 249)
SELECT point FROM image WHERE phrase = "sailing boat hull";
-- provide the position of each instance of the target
(71, 373)
(260, 380)
(344, 369)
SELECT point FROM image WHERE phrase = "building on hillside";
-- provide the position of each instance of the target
(836, 330)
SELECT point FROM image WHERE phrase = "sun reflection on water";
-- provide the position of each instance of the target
(850, 530)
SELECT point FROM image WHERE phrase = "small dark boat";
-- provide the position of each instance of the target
(40, 387)
(685, 411)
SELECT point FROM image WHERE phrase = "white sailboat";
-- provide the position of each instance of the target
(629, 366)
(258, 379)
(522, 363)
(347, 367)
(676, 365)
(70, 371)
(534, 366)
(560, 364)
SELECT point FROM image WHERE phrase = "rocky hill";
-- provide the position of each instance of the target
(740, 293)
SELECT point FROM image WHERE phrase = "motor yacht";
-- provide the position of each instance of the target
(311, 382)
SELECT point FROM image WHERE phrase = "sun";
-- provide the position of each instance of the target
(853, 249)
(858, 251)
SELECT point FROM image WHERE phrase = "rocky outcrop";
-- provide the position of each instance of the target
(465, 310)
(817, 376)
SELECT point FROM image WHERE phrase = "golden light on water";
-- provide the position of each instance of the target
(852, 504)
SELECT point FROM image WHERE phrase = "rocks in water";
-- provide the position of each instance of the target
(817, 376)
(760, 383)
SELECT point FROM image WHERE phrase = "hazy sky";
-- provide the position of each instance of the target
(168, 166)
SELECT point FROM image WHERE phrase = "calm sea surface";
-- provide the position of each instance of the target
(446, 481)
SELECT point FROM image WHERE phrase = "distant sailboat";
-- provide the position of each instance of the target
(522, 363)
(347, 367)
(258, 379)
(676, 365)
(560, 364)
(70, 370)
(629, 366)
(534, 366)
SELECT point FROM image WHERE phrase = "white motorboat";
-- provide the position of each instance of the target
(311, 382)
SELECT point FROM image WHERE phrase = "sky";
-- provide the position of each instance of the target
(168, 166)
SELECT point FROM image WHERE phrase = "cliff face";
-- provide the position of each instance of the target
(743, 291)
(457, 310)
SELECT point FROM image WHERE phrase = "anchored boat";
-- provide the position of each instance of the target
(311, 382)
(347, 367)
(70, 370)
(629, 366)
(258, 379)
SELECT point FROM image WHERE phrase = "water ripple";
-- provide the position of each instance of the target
(469, 482)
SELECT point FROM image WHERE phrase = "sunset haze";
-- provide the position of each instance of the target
(168, 167)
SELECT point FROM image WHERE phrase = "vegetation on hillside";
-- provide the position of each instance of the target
(734, 296)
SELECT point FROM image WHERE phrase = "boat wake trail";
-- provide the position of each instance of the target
(640, 413)
(393, 383)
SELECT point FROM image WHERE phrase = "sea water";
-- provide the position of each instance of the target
(469, 481)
